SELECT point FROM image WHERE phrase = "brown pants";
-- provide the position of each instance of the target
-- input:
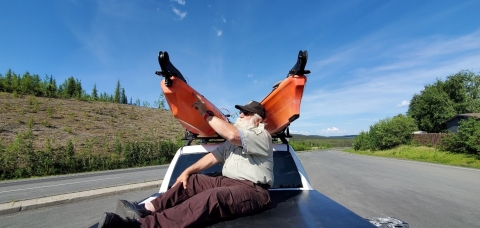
(206, 198)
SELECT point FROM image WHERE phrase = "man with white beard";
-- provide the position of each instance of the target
(247, 158)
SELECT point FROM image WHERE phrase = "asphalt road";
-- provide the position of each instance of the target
(79, 214)
(421, 194)
(41, 187)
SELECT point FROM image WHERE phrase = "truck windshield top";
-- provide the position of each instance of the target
(286, 174)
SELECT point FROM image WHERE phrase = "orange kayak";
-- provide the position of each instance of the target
(282, 104)
(180, 96)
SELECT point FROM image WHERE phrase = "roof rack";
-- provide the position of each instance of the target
(283, 135)
(189, 137)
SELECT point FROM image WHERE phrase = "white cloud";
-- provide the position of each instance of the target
(403, 104)
(345, 85)
(373, 90)
(223, 19)
(332, 130)
(249, 75)
(218, 31)
(299, 132)
(179, 13)
(181, 2)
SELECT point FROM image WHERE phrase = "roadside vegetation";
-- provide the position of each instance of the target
(428, 111)
(304, 143)
(424, 154)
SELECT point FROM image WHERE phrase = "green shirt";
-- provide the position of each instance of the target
(252, 161)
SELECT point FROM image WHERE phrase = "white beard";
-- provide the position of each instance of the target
(242, 123)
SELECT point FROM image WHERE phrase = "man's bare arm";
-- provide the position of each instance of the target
(226, 130)
(223, 128)
(204, 163)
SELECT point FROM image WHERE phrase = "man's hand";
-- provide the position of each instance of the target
(199, 105)
(183, 178)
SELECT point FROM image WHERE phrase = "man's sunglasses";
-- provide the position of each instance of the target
(245, 113)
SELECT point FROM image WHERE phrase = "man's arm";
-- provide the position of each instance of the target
(223, 128)
(204, 163)
(226, 130)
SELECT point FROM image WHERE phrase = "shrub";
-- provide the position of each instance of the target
(467, 140)
(299, 145)
(361, 141)
(18, 159)
(391, 132)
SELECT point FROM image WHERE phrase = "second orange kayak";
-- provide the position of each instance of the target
(283, 103)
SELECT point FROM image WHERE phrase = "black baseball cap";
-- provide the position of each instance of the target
(253, 106)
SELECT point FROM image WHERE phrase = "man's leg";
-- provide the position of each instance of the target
(174, 196)
(216, 203)
(197, 183)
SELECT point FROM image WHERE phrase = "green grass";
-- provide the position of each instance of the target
(425, 154)
(319, 143)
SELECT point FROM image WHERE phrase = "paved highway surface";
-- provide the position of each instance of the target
(79, 214)
(40, 187)
(421, 194)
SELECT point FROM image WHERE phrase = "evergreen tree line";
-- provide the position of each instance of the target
(428, 111)
(19, 159)
(28, 84)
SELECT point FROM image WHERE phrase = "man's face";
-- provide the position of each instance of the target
(246, 120)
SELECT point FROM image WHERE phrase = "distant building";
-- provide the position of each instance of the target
(454, 122)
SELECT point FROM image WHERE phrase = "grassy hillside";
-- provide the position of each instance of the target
(82, 122)
(45, 136)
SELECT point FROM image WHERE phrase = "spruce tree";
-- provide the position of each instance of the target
(95, 92)
(7, 82)
(78, 89)
(70, 87)
(1, 83)
(124, 97)
(116, 98)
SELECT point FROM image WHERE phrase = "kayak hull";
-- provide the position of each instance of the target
(180, 96)
(283, 103)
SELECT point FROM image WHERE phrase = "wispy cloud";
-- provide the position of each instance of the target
(398, 70)
(181, 2)
(218, 31)
(300, 132)
(403, 104)
(96, 42)
(331, 131)
(179, 13)
(224, 20)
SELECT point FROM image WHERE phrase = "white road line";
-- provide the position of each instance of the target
(56, 185)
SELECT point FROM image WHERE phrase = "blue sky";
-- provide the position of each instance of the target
(367, 58)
